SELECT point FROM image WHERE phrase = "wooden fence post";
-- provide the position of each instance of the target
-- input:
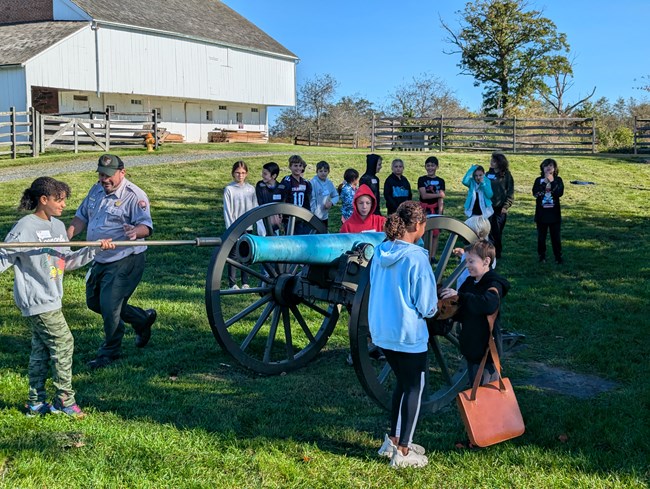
(514, 134)
(108, 129)
(355, 143)
(372, 135)
(635, 133)
(12, 120)
(155, 127)
(76, 138)
(41, 131)
(593, 136)
(441, 132)
(33, 124)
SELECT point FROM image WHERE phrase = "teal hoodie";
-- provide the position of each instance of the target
(402, 294)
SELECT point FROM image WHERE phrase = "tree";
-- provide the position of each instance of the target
(646, 83)
(424, 96)
(554, 94)
(508, 50)
(351, 114)
(315, 95)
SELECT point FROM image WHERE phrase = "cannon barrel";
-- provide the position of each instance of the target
(310, 249)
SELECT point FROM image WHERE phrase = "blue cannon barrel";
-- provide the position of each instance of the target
(311, 249)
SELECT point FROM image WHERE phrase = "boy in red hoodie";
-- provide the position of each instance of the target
(363, 219)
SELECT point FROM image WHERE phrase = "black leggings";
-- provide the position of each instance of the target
(409, 370)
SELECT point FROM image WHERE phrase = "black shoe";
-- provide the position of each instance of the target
(101, 362)
(542, 259)
(144, 335)
(559, 261)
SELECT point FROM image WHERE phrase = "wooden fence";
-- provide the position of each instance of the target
(17, 132)
(97, 131)
(327, 139)
(641, 135)
(31, 133)
(567, 135)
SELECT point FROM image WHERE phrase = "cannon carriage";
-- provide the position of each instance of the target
(302, 281)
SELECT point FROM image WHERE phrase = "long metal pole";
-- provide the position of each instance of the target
(79, 244)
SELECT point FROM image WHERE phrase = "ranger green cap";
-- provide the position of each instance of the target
(109, 164)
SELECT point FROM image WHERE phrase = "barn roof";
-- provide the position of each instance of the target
(211, 20)
(21, 42)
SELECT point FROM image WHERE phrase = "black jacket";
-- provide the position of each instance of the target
(503, 190)
(370, 178)
(547, 205)
(476, 304)
(396, 191)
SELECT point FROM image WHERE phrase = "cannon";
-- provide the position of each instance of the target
(302, 281)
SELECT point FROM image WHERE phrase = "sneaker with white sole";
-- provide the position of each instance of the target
(411, 459)
(245, 286)
(234, 287)
(38, 409)
(388, 447)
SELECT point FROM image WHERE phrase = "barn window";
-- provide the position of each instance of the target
(254, 109)
(136, 101)
(80, 98)
(240, 117)
(223, 107)
(158, 113)
(110, 108)
(208, 115)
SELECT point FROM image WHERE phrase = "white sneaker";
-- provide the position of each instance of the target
(234, 287)
(388, 447)
(411, 459)
(245, 286)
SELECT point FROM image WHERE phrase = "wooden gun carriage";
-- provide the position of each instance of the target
(302, 283)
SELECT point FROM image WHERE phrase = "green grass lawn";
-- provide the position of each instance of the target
(182, 413)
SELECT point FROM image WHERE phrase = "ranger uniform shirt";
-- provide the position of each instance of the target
(106, 215)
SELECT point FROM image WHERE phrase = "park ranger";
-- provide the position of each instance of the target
(118, 209)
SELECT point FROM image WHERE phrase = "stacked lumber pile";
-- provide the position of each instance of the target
(246, 136)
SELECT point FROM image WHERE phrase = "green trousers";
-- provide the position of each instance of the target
(52, 344)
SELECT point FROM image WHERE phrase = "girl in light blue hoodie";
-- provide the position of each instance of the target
(402, 295)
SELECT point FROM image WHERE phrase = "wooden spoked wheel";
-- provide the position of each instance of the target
(266, 327)
(447, 372)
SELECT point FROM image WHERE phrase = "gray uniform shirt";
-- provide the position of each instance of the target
(105, 216)
(38, 282)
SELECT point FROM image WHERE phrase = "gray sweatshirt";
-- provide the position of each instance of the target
(38, 282)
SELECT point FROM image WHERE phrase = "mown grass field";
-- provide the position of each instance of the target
(181, 413)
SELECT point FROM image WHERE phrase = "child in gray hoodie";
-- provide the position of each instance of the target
(38, 289)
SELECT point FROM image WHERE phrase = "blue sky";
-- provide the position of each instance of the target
(372, 47)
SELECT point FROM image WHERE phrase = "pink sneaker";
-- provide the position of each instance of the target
(73, 410)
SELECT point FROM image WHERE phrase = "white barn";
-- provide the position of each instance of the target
(197, 62)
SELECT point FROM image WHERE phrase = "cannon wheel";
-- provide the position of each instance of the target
(447, 373)
(266, 328)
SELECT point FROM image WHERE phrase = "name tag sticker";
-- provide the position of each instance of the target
(277, 197)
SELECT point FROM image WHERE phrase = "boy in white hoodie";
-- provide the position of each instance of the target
(323, 191)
